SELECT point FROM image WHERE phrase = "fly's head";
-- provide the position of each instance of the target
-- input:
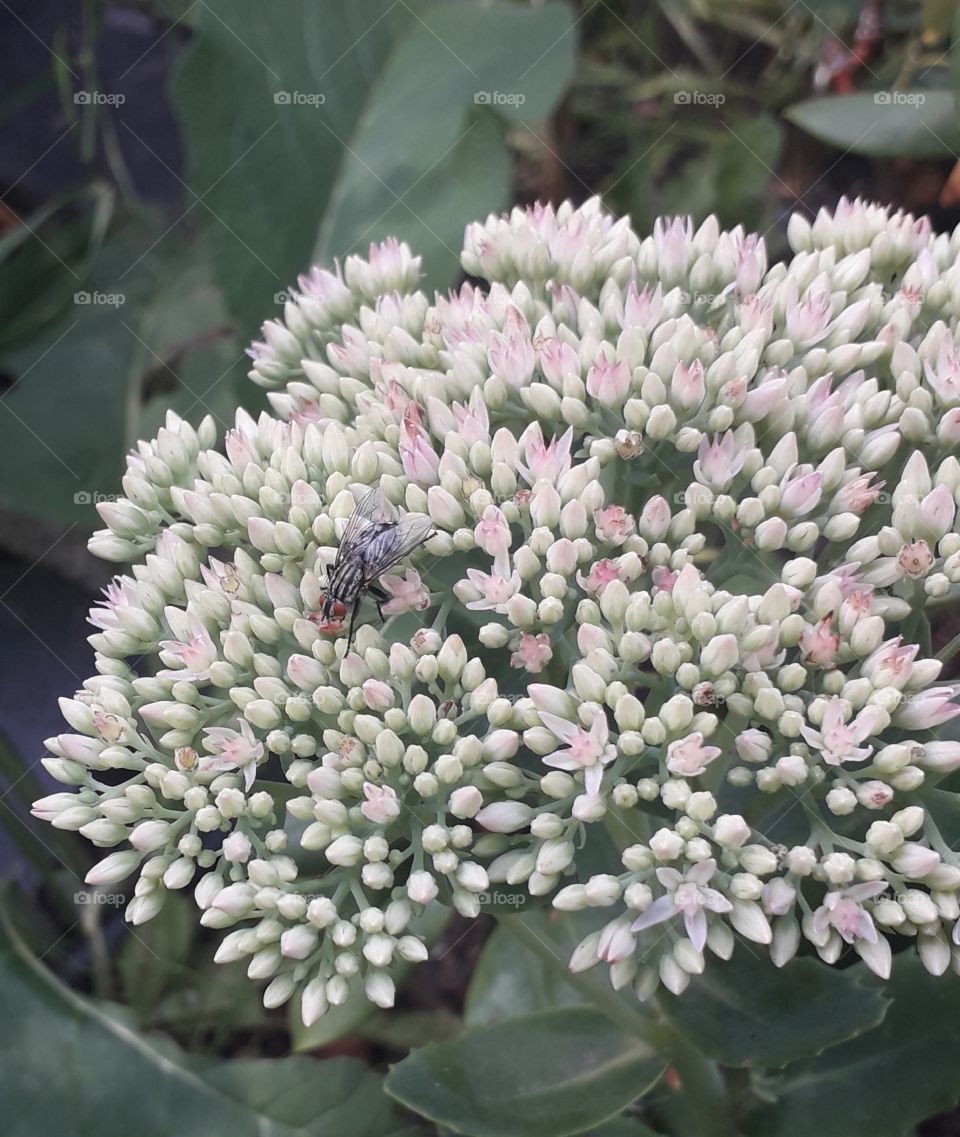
(329, 617)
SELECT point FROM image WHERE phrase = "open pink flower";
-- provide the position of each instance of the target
(558, 361)
(473, 422)
(913, 562)
(406, 592)
(718, 462)
(381, 805)
(511, 357)
(800, 492)
(587, 750)
(492, 534)
(688, 385)
(858, 495)
(689, 757)
(492, 590)
(221, 576)
(751, 263)
(608, 382)
(195, 649)
(663, 579)
(944, 379)
(533, 652)
(915, 559)
(928, 709)
(642, 309)
(808, 319)
(842, 911)
(838, 741)
(891, 664)
(231, 750)
(613, 524)
(240, 450)
(601, 573)
(121, 592)
(545, 460)
(819, 645)
(687, 895)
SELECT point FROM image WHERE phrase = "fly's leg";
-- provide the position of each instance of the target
(379, 597)
(353, 619)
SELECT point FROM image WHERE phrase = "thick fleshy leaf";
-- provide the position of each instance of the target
(882, 1084)
(510, 980)
(885, 124)
(547, 1074)
(354, 120)
(73, 1067)
(146, 333)
(746, 1012)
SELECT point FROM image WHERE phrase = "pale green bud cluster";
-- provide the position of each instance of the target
(685, 507)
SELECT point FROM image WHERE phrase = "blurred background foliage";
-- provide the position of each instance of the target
(167, 168)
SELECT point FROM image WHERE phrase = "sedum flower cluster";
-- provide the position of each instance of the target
(688, 512)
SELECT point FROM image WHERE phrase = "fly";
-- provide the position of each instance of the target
(377, 536)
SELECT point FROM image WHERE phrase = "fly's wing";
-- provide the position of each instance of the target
(371, 509)
(410, 532)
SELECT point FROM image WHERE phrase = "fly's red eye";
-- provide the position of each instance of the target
(339, 609)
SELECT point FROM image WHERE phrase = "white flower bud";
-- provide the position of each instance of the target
(114, 868)
(731, 830)
(298, 942)
(313, 1002)
(748, 919)
(421, 887)
(913, 860)
(757, 859)
(666, 845)
(554, 856)
(346, 850)
(504, 816)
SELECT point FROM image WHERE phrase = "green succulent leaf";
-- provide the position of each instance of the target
(885, 124)
(545, 1074)
(746, 1012)
(383, 123)
(882, 1084)
(59, 1067)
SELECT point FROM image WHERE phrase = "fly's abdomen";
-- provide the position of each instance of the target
(349, 580)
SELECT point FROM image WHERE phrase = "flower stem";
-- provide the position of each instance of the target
(948, 651)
